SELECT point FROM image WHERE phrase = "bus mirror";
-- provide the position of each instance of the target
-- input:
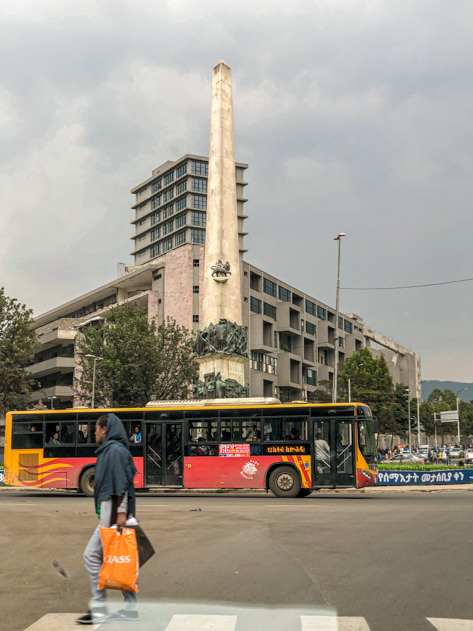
(375, 425)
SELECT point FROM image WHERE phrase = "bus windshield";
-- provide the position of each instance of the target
(366, 437)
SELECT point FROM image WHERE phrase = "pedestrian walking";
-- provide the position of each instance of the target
(114, 496)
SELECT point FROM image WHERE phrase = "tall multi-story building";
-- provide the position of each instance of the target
(171, 207)
(292, 336)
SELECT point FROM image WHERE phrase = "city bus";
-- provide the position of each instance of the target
(289, 449)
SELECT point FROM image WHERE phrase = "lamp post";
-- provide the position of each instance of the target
(335, 366)
(349, 380)
(52, 400)
(408, 392)
(458, 414)
(95, 358)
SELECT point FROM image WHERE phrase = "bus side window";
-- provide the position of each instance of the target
(27, 435)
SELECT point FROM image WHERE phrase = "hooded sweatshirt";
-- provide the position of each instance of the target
(114, 469)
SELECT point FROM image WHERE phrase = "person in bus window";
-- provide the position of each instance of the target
(54, 439)
(322, 453)
(136, 436)
(295, 434)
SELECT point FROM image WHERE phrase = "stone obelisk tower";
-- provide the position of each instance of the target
(221, 345)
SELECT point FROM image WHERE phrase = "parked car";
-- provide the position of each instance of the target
(455, 452)
(469, 454)
(405, 458)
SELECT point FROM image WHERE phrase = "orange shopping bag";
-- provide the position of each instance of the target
(120, 560)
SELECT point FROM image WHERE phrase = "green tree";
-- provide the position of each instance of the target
(17, 346)
(372, 384)
(401, 409)
(139, 361)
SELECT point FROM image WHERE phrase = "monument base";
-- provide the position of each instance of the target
(221, 376)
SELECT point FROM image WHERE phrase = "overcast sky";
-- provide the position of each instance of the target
(354, 116)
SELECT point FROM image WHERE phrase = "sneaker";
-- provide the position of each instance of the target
(97, 616)
(125, 615)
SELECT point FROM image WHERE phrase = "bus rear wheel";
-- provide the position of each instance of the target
(86, 484)
(284, 482)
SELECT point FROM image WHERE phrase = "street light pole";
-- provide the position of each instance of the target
(95, 358)
(349, 380)
(335, 365)
(458, 414)
(52, 399)
(409, 417)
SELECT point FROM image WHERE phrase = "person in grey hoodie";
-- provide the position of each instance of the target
(114, 496)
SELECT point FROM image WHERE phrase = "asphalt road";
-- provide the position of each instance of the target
(393, 558)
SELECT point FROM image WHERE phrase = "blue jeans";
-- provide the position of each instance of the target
(93, 558)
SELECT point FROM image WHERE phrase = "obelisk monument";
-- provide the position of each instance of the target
(221, 344)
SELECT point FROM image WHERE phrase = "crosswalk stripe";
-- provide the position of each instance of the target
(200, 622)
(451, 624)
(333, 623)
(59, 622)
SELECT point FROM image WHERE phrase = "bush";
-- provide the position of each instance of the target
(418, 467)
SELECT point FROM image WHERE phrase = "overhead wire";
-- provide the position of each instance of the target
(448, 282)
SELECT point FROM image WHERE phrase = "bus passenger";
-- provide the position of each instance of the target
(322, 453)
(54, 439)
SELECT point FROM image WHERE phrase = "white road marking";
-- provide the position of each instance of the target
(451, 624)
(333, 623)
(199, 622)
(59, 622)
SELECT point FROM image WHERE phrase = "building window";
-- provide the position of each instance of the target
(198, 219)
(181, 203)
(195, 318)
(143, 191)
(168, 211)
(284, 294)
(199, 201)
(168, 227)
(169, 178)
(310, 307)
(155, 250)
(181, 187)
(275, 339)
(156, 234)
(269, 310)
(180, 237)
(348, 327)
(156, 202)
(340, 322)
(285, 342)
(269, 287)
(141, 237)
(199, 168)
(265, 363)
(341, 342)
(181, 220)
(321, 313)
(156, 218)
(196, 263)
(181, 170)
(198, 236)
(167, 244)
(168, 195)
(143, 206)
(310, 328)
(156, 186)
(142, 253)
(309, 377)
(199, 185)
(143, 221)
(255, 305)
(195, 289)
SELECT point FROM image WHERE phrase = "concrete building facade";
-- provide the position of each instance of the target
(292, 336)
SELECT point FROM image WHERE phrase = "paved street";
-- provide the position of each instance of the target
(376, 560)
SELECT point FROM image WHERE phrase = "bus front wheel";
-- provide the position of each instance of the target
(285, 482)
(86, 484)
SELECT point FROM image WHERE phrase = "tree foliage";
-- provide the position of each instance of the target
(371, 383)
(139, 360)
(17, 346)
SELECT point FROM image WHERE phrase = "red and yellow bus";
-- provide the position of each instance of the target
(289, 449)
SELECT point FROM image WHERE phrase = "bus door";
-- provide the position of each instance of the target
(164, 455)
(333, 453)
